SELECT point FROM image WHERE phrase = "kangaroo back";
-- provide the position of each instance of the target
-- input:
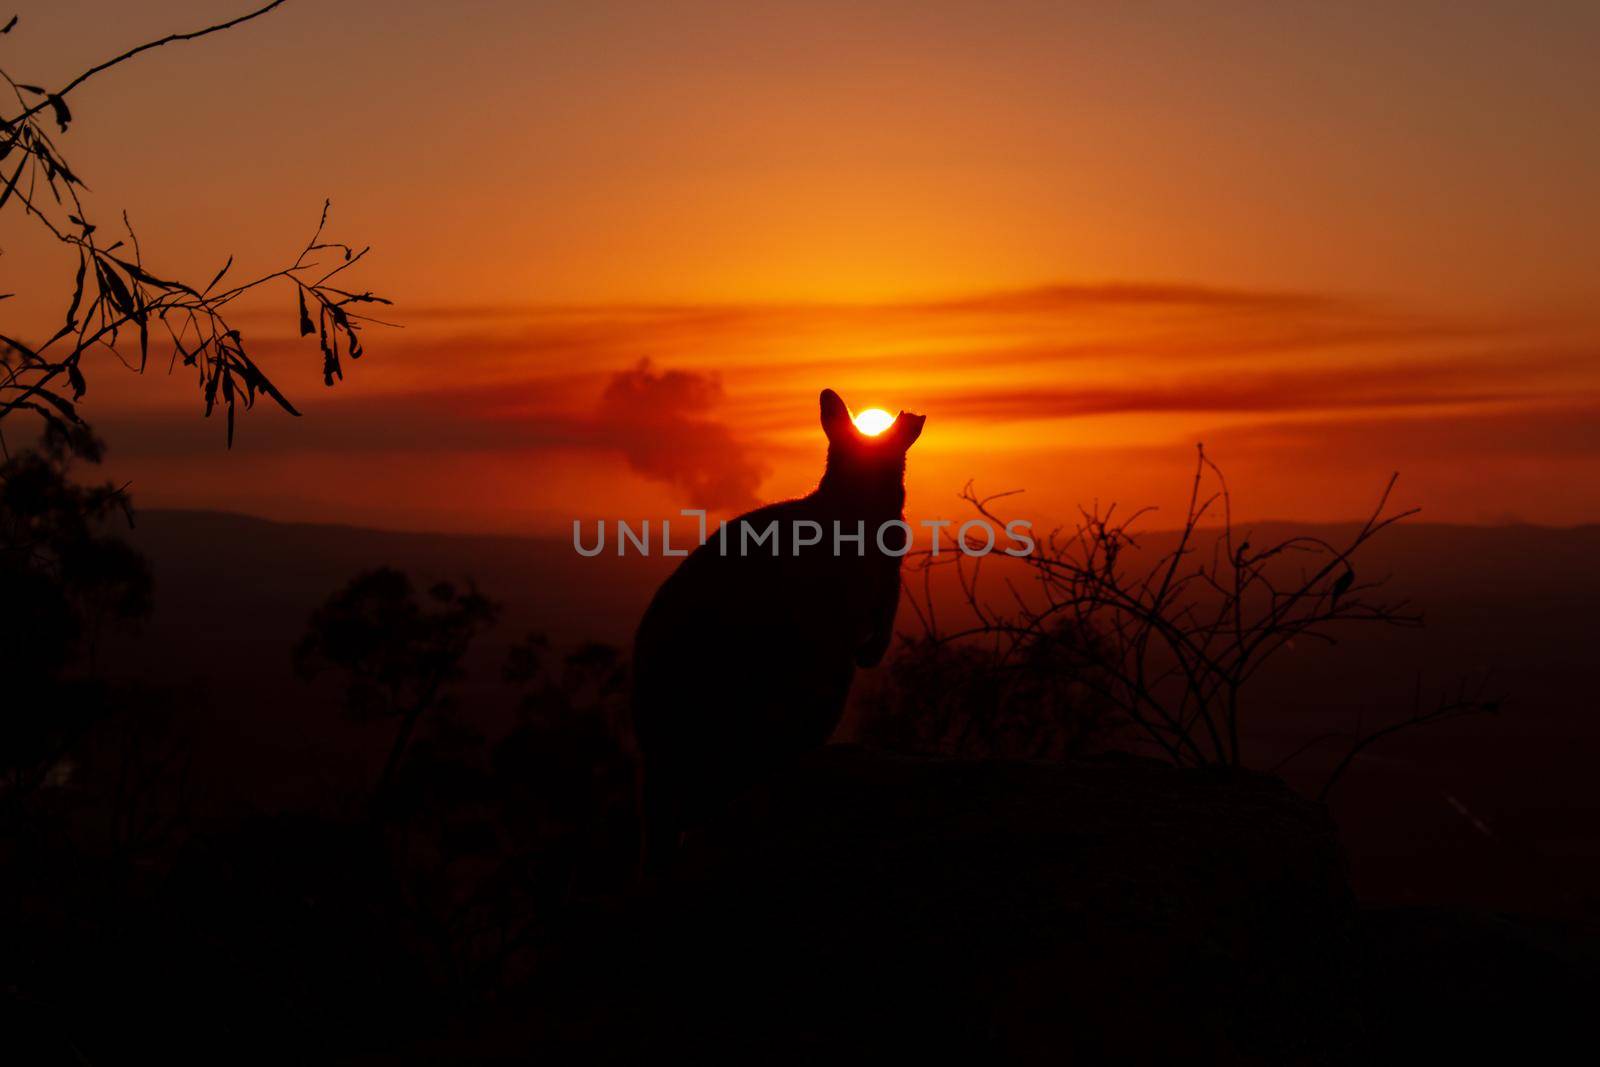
(745, 656)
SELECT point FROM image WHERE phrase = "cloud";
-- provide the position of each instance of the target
(1041, 298)
(509, 342)
(1069, 298)
(659, 421)
(662, 423)
(1493, 379)
(1194, 344)
(640, 387)
(471, 377)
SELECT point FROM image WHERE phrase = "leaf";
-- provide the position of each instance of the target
(11, 184)
(115, 288)
(265, 384)
(66, 172)
(60, 403)
(136, 271)
(36, 90)
(220, 273)
(50, 174)
(75, 376)
(28, 354)
(59, 334)
(1342, 584)
(10, 25)
(306, 325)
(330, 359)
(63, 113)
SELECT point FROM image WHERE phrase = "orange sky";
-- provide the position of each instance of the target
(1328, 242)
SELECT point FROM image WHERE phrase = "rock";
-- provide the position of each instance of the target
(875, 904)
(1439, 984)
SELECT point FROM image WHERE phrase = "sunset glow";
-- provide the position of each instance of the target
(1031, 222)
(874, 421)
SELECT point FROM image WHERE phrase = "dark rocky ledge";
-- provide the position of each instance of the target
(909, 908)
(896, 905)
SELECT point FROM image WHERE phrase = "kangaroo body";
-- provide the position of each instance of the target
(745, 656)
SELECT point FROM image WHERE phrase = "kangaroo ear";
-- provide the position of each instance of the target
(835, 417)
(907, 428)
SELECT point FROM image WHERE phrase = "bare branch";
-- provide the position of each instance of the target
(1168, 638)
(116, 300)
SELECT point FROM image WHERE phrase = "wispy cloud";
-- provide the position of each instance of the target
(710, 400)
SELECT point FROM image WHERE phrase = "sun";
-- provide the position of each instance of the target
(874, 421)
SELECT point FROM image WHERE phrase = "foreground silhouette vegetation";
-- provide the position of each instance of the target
(397, 657)
(68, 579)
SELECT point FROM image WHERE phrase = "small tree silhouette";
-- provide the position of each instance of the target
(116, 301)
(971, 698)
(398, 656)
(65, 581)
(1170, 643)
(567, 761)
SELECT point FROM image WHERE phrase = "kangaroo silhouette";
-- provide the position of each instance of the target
(745, 656)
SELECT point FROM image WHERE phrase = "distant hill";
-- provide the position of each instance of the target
(204, 555)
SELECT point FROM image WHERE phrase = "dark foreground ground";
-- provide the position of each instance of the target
(870, 904)
(866, 906)
(1119, 910)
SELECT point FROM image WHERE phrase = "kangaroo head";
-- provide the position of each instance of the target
(867, 466)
